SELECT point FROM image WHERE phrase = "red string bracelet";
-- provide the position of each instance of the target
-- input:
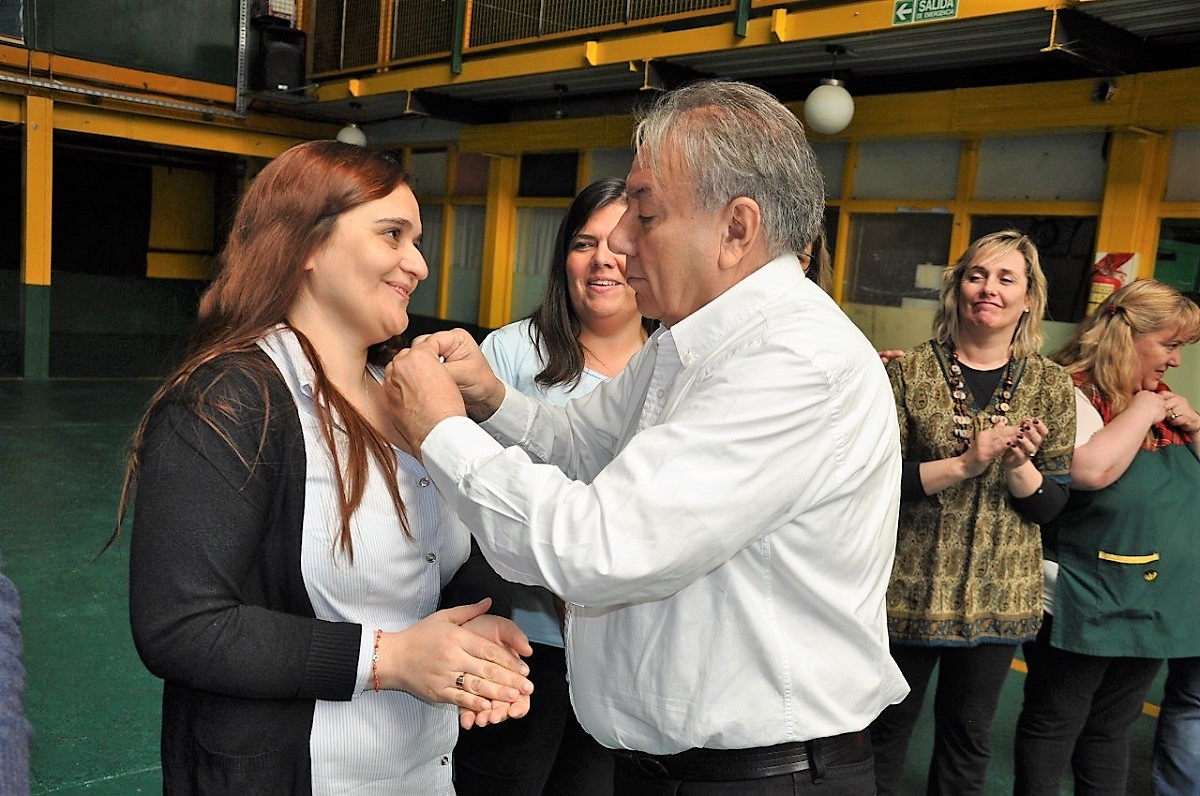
(375, 660)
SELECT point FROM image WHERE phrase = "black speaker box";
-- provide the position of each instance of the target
(278, 63)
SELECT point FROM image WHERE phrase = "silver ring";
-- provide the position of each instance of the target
(1174, 415)
(460, 681)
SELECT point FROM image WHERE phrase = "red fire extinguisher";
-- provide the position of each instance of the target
(1107, 278)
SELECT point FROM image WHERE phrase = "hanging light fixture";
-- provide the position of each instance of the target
(829, 108)
(352, 134)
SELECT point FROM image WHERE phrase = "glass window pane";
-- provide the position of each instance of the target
(885, 250)
(1183, 178)
(550, 174)
(906, 170)
(609, 163)
(424, 300)
(1066, 248)
(536, 229)
(1177, 261)
(1062, 167)
(466, 262)
(428, 172)
(471, 174)
(832, 157)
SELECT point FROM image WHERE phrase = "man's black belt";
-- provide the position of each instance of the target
(723, 765)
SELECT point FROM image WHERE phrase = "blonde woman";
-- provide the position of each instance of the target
(1123, 557)
(986, 427)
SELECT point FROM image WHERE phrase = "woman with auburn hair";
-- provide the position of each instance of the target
(986, 425)
(583, 332)
(287, 552)
(1121, 559)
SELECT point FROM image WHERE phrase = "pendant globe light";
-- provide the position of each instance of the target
(829, 108)
(352, 134)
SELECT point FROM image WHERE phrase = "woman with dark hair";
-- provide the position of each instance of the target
(584, 331)
(1123, 557)
(287, 552)
(986, 430)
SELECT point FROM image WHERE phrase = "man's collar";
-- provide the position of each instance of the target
(712, 324)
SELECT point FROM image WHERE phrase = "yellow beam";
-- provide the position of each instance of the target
(603, 132)
(1126, 215)
(12, 109)
(1152, 101)
(495, 288)
(968, 171)
(172, 132)
(35, 63)
(38, 178)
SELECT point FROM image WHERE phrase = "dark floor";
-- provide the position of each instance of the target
(93, 706)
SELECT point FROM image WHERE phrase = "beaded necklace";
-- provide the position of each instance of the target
(962, 414)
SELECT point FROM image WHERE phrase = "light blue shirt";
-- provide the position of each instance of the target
(510, 352)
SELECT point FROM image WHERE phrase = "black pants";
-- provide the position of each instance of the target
(1078, 709)
(544, 752)
(968, 690)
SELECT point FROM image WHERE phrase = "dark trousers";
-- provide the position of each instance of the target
(1078, 709)
(968, 690)
(850, 779)
(546, 752)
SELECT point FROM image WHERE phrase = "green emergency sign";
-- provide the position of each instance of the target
(906, 12)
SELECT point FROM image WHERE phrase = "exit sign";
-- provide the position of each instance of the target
(906, 12)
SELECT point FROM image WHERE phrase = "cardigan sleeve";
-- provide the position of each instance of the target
(217, 600)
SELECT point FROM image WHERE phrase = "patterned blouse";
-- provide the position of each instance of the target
(968, 567)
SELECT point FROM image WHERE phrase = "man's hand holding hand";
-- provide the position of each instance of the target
(420, 393)
(481, 391)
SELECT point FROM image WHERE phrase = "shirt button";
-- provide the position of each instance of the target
(661, 393)
(445, 761)
(1151, 575)
(431, 557)
(424, 482)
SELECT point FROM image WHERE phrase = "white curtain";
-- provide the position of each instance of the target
(536, 228)
(466, 262)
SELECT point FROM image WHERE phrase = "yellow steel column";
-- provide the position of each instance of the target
(1128, 209)
(495, 289)
(968, 170)
(37, 181)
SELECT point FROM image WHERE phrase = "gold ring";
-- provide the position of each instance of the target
(460, 681)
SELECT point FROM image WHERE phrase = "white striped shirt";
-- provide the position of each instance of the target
(388, 742)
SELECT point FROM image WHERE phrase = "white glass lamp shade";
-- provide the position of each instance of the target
(352, 134)
(829, 108)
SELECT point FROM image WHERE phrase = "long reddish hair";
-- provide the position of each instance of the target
(286, 215)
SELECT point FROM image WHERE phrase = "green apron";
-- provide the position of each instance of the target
(1129, 562)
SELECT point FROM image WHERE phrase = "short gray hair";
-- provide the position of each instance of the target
(734, 139)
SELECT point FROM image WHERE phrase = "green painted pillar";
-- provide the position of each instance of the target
(35, 332)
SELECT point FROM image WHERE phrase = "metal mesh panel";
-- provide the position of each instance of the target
(326, 36)
(360, 47)
(345, 34)
(646, 9)
(568, 15)
(495, 21)
(421, 27)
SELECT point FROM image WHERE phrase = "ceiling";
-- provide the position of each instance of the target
(1092, 38)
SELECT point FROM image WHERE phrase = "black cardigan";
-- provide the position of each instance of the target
(218, 605)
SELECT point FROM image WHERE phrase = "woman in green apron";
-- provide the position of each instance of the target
(1123, 557)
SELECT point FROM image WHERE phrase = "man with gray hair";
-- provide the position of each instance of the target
(721, 516)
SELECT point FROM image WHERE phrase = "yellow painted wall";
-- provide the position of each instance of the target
(182, 214)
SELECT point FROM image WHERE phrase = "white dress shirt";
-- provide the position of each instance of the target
(723, 523)
(386, 742)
